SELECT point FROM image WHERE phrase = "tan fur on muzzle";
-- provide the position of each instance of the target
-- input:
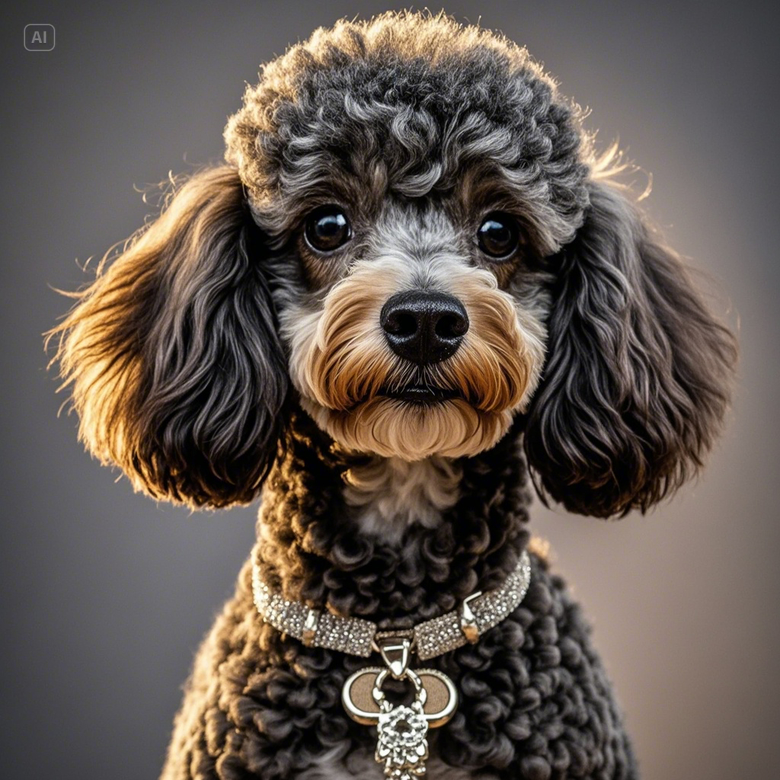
(345, 364)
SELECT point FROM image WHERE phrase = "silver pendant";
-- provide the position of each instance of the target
(402, 744)
(402, 729)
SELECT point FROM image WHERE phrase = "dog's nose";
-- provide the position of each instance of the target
(424, 327)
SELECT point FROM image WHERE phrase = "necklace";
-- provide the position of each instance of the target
(402, 744)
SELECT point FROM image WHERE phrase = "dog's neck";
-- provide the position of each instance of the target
(322, 539)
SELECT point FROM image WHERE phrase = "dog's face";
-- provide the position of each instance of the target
(415, 327)
(413, 240)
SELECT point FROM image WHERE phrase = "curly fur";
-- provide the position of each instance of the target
(218, 355)
(389, 494)
(409, 103)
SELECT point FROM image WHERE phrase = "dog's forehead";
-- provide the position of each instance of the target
(395, 120)
(413, 229)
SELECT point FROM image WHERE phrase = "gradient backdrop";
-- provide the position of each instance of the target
(105, 595)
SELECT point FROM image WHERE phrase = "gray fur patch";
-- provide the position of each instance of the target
(387, 495)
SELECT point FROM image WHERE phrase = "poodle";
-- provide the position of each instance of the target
(412, 297)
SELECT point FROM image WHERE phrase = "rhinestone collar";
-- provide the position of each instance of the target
(356, 636)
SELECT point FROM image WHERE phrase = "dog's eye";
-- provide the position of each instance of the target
(498, 236)
(327, 229)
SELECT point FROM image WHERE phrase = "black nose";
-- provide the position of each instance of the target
(424, 327)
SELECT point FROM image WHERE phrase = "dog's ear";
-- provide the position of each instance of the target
(638, 372)
(176, 368)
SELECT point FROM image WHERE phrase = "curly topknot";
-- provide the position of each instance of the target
(422, 95)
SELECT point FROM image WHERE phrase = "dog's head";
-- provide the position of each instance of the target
(413, 239)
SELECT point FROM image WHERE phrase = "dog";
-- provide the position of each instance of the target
(413, 296)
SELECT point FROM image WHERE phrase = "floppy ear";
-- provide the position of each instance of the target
(638, 373)
(173, 356)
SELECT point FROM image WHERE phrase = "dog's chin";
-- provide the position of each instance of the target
(412, 424)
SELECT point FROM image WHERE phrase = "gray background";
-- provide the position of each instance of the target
(105, 595)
